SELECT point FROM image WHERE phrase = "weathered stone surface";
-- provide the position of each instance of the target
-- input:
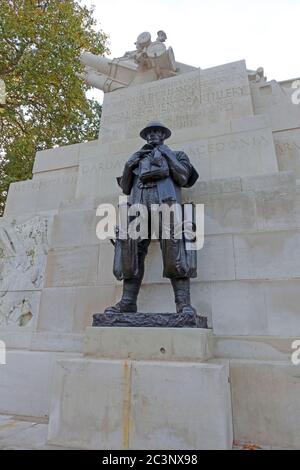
(250, 123)
(69, 309)
(75, 228)
(158, 320)
(57, 158)
(275, 99)
(278, 210)
(266, 401)
(264, 348)
(19, 310)
(57, 342)
(25, 236)
(132, 405)
(24, 245)
(192, 99)
(229, 155)
(248, 283)
(22, 272)
(16, 433)
(74, 266)
(284, 181)
(40, 195)
(268, 255)
(25, 382)
(287, 145)
(239, 309)
(163, 344)
(229, 213)
(256, 308)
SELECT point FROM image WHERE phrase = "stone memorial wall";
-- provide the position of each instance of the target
(244, 140)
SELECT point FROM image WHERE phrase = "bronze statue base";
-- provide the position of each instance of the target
(151, 320)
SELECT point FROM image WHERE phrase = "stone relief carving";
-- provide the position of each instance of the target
(23, 250)
(16, 311)
(151, 60)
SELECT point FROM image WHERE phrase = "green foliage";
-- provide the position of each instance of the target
(46, 104)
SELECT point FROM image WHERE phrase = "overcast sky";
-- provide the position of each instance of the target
(206, 33)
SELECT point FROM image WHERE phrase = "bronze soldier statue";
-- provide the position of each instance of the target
(155, 175)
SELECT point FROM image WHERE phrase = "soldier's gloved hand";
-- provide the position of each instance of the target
(164, 149)
(134, 160)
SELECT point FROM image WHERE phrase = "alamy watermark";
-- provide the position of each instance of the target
(167, 221)
(296, 353)
(296, 93)
(2, 353)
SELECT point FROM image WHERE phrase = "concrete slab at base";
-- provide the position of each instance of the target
(164, 344)
(106, 404)
(25, 382)
(266, 402)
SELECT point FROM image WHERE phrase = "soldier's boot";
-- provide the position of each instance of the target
(128, 301)
(181, 289)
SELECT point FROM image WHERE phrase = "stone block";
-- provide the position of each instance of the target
(16, 339)
(75, 266)
(77, 228)
(268, 255)
(250, 123)
(287, 145)
(256, 308)
(198, 98)
(70, 309)
(25, 236)
(278, 210)
(238, 308)
(56, 158)
(132, 405)
(18, 434)
(21, 199)
(87, 149)
(40, 195)
(266, 402)
(163, 344)
(265, 348)
(215, 186)
(215, 260)
(19, 310)
(22, 272)
(229, 213)
(243, 154)
(284, 181)
(275, 99)
(97, 173)
(58, 342)
(25, 382)
(218, 157)
(197, 416)
(282, 305)
(91, 414)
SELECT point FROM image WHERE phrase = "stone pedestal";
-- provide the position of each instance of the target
(142, 388)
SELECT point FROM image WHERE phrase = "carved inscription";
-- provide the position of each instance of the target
(40, 185)
(284, 147)
(197, 98)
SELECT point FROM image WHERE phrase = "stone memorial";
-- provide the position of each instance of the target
(163, 388)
